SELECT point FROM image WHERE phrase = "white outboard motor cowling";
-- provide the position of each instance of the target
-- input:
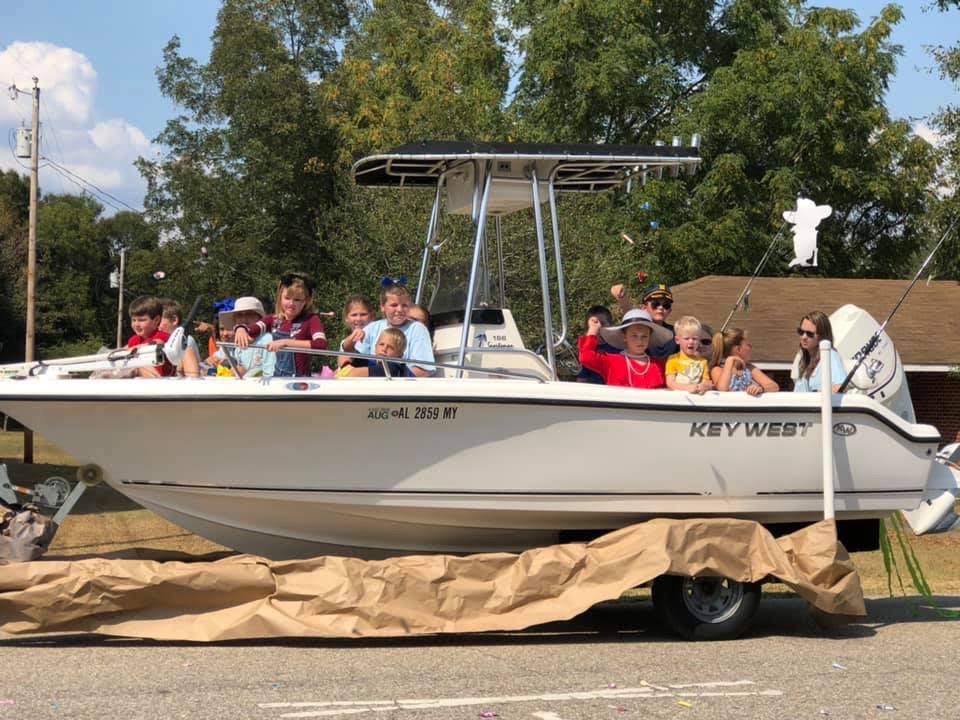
(881, 374)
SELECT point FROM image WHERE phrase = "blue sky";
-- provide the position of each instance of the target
(98, 58)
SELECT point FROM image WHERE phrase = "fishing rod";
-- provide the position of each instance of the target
(746, 290)
(871, 344)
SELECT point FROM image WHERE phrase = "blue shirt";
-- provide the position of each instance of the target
(812, 383)
(419, 345)
(256, 359)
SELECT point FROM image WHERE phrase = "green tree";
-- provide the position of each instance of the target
(413, 69)
(14, 213)
(802, 115)
(248, 170)
(618, 71)
(947, 121)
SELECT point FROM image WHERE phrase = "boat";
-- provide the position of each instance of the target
(494, 452)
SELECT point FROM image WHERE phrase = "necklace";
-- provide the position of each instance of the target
(643, 359)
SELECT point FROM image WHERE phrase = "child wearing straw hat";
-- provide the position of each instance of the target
(632, 366)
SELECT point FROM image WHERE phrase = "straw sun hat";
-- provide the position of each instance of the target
(242, 304)
(613, 335)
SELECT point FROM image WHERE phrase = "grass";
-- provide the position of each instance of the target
(44, 451)
(106, 523)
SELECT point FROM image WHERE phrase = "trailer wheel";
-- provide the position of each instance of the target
(705, 608)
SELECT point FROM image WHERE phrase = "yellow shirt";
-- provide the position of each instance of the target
(687, 370)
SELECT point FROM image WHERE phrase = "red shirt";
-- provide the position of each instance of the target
(618, 369)
(158, 338)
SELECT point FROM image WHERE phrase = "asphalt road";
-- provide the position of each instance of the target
(614, 662)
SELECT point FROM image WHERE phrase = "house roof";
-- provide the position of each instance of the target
(926, 328)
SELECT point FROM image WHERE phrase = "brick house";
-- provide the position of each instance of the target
(926, 329)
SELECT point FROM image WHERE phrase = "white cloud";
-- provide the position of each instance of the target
(922, 130)
(101, 151)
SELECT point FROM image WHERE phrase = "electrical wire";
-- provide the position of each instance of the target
(100, 191)
(57, 170)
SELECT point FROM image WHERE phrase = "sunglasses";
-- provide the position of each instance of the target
(290, 278)
(706, 343)
(806, 333)
(656, 304)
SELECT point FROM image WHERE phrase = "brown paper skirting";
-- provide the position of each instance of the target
(250, 597)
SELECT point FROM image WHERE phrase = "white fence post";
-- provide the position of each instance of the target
(826, 423)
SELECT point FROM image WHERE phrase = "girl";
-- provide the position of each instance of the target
(632, 367)
(294, 325)
(732, 369)
(357, 314)
(814, 327)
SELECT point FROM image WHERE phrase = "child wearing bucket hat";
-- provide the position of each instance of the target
(632, 366)
(255, 360)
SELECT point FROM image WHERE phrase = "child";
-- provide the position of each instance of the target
(632, 367)
(586, 375)
(732, 369)
(686, 370)
(421, 315)
(170, 320)
(357, 314)
(391, 343)
(394, 304)
(295, 325)
(255, 360)
(145, 316)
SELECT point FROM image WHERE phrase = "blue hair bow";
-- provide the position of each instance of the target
(399, 280)
(225, 305)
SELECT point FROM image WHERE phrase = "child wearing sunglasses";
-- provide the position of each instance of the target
(294, 325)
(814, 327)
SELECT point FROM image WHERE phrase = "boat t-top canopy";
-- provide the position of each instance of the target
(484, 180)
(570, 167)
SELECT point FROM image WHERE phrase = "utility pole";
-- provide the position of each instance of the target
(32, 251)
(123, 257)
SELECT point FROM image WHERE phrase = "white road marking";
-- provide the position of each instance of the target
(334, 708)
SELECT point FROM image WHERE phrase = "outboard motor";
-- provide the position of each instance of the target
(881, 375)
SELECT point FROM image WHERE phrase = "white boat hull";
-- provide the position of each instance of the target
(379, 467)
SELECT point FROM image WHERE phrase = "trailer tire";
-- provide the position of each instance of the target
(705, 608)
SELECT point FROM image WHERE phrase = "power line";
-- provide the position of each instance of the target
(97, 189)
(84, 189)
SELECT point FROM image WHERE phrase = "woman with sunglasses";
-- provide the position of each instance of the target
(814, 327)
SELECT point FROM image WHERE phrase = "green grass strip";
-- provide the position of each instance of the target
(912, 563)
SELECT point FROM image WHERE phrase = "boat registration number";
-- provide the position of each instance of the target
(428, 413)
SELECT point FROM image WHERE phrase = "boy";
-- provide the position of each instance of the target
(602, 314)
(391, 343)
(145, 316)
(170, 320)
(394, 304)
(253, 361)
(686, 370)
